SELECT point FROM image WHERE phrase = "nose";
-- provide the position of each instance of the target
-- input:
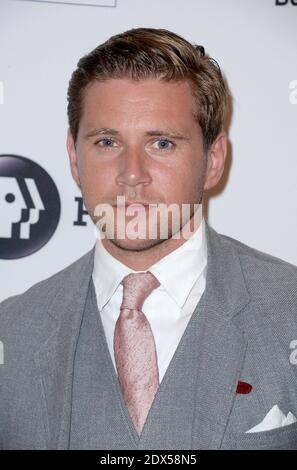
(133, 169)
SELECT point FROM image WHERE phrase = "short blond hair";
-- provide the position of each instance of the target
(142, 53)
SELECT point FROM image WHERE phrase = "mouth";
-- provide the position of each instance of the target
(136, 205)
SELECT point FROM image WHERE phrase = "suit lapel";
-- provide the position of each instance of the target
(55, 359)
(222, 344)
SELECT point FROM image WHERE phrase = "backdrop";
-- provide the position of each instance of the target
(43, 224)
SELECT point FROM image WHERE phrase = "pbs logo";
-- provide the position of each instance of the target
(30, 207)
(285, 2)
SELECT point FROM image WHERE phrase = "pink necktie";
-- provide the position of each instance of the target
(134, 348)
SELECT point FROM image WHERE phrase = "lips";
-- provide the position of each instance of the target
(136, 204)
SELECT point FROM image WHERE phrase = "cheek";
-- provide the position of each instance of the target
(194, 173)
(181, 182)
(172, 186)
(94, 174)
(97, 185)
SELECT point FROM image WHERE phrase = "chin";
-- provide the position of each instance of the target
(136, 244)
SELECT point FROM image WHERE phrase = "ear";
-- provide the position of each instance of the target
(216, 157)
(72, 157)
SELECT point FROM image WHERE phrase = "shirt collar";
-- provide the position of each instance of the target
(177, 272)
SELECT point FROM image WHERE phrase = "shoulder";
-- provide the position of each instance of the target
(271, 283)
(269, 319)
(258, 265)
(255, 265)
(39, 296)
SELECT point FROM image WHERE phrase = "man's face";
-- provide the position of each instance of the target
(147, 147)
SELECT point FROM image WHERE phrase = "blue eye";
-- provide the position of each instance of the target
(109, 143)
(165, 144)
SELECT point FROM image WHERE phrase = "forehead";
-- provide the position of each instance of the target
(119, 99)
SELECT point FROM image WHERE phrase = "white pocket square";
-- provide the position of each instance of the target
(275, 418)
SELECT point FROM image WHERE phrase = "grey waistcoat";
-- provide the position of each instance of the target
(100, 418)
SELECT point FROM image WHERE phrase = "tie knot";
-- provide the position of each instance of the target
(136, 288)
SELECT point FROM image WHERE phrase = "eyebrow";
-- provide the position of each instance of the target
(107, 130)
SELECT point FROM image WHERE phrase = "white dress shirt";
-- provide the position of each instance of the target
(182, 276)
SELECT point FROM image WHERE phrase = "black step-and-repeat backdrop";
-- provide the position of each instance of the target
(43, 222)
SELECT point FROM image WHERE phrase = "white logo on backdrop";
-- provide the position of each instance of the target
(293, 94)
(12, 203)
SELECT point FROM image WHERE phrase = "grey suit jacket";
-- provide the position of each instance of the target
(250, 323)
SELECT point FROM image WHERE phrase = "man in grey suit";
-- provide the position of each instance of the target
(176, 342)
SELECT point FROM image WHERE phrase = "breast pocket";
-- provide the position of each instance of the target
(281, 438)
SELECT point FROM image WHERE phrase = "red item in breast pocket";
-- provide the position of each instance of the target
(243, 387)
